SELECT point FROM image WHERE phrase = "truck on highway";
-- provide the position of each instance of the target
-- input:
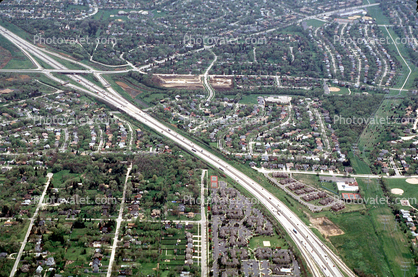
(294, 230)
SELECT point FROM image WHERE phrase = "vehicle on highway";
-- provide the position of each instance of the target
(221, 169)
(194, 150)
(294, 230)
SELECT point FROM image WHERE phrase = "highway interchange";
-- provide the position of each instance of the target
(320, 259)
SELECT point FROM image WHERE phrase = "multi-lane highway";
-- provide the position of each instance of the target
(320, 259)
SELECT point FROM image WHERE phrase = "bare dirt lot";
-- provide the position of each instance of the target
(132, 92)
(5, 57)
(179, 82)
(326, 226)
(413, 181)
(334, 89)
(221, 82)
(396, 191)
(19, 78)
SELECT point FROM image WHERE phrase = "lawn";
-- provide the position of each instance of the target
(410, 190)
(249, 99)
(315, 23)
(377, 13)
(60, 177)
(308, 179)
(274, 242)
(342, 91)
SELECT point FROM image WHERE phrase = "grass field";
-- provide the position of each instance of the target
(377, 13)
(68, 64)
(45, 80)
(402, 49)
(314, 23)
(60, 177)
(410, 190)
(359, 166)
(249, 99)
(146, 94)
(367, 244)
(19, 60)
(392, 239)
(16, 30)
(308, 179)
(274, 242)
(343, 91)
(375, 133)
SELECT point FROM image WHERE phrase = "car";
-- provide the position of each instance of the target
(194, 150)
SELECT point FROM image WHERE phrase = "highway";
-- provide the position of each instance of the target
(65, 71)
(320, 259)
(311, 247)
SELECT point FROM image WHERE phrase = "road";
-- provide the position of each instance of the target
(32, 220)
(316, 254)
(203, 225)
(205, 78)
(118, 223)
(320, 259)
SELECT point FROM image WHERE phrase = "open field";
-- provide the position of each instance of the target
(359, 166)
(249, 99)
(326, 227)
(365, 243)
(339, 90)
(410, 190)
(11, 57)
(402, 75)
(377, 13)
(315, 23)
